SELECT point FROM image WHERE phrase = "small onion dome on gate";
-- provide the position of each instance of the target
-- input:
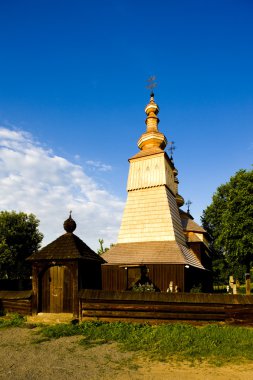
(69, 225)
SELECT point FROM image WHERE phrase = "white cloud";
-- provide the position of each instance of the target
(34, 180)
(97, 165)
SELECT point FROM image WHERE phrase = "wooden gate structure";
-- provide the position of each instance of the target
(60, 270)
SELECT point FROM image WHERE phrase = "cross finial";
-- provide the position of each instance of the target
(171, 148)
(70, 212)
(151, 84)
(188, 203)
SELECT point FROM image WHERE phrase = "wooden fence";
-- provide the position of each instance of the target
(145, 307)
(16, 301)
(130, 306)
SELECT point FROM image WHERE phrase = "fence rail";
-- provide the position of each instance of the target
(16, 302)
(103, 305)
(130, 306)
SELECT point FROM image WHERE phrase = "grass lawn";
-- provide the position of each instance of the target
(213, 343)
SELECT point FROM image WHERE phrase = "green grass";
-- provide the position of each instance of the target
(213, 343)
(12, 320)
(240, 289)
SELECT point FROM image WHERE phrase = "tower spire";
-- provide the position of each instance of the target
(152, 110)
(152, 138)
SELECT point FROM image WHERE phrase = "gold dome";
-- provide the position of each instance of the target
(152, 138)
(179, 200)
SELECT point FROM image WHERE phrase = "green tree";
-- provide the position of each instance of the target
(19, 238)
(229, 222)
(101, 250)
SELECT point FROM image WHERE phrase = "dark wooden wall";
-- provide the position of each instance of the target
(115, 277)
(89, 275)
(162, 274)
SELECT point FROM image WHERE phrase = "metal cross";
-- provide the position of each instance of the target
(151, 84)
(171, 148)
(188, 203)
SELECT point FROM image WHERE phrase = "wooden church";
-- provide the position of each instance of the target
(158, 243)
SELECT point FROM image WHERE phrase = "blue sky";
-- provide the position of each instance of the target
(72, 98)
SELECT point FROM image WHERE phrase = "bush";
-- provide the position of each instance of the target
(143, 288)
(196, 288)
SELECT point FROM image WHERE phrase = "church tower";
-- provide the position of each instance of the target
(151, 212)
(151, 238)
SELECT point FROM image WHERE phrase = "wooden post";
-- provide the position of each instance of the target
(231, 284)
(247, 280)
(35, 288)
(75, 290)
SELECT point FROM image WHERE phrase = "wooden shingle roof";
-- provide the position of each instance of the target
(189, 224)
(154, 252)
(67, 246)
(147, 152)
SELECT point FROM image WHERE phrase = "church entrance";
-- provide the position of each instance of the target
(57, 290)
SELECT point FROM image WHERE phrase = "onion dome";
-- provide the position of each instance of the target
(69, 224)
(152, 138)
(179, 200)
(175, 172)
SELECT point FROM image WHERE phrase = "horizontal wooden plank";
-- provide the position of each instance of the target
(13, 294)
(239, 311)
(16, 306)
(103, 295)
(21, 306)
(147, 307)
(15, 302)
(141, 302)
(151, 315)
(239, 308)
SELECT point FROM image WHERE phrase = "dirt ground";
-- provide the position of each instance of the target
(23, 356)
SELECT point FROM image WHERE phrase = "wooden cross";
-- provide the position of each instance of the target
(188, 203)
(171, 148)
(151, 84)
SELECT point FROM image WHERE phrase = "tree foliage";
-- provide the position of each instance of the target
(101, 250)
(229, 221)
(19, 238)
